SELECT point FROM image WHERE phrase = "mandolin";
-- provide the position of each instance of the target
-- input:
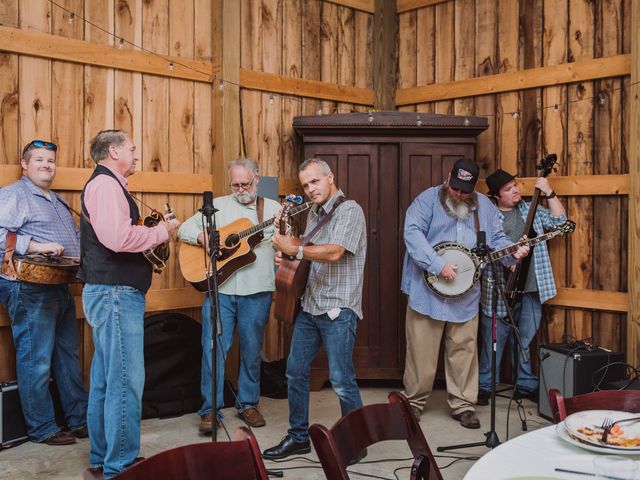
(237, 241)
(158, 255)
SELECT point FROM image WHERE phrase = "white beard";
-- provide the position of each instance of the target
(244, 198)
(457, 208)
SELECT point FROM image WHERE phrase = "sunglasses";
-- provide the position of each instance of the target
(39, 144)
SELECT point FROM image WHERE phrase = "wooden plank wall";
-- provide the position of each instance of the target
(169, 119)
(585, 123)
(332, 44)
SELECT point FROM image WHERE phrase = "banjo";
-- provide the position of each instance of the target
(469, 266)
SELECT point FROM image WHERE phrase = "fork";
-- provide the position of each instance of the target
(607, 425)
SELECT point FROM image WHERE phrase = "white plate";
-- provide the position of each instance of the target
(594, 418)
(564, 435)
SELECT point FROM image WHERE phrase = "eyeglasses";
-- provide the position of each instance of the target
(39, 144)
(243, 186)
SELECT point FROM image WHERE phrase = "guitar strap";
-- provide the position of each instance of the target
(260, 208)
(7, 260)
(476, 220)
(323, 220)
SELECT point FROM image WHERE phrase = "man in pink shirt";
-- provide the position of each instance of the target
(116, 276)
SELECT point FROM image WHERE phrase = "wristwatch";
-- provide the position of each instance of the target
(300, 254)
(551, 195)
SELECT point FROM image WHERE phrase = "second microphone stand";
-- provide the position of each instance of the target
(213, 237)
(492, 439)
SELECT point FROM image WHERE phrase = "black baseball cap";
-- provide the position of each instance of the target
(464, 175)
(497, 180)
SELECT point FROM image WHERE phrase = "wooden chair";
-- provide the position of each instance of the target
(625, 400)
(368, 425)
(239, 459)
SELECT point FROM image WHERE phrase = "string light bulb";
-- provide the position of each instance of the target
(418, 121)
(466, 122)
(271, 100)
(515, 115)
(370, 117)
(319, 112)
(121, 43)
(221, 85)
(71, 17)
(601, 99)
(171, 66)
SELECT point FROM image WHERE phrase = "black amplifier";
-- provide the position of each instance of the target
(12, 428)
(574, 369)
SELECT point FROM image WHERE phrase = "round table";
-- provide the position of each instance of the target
(535, 453)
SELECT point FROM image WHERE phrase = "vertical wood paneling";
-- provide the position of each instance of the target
(554, 123)
(407, 54)
(464, 51)
(425, 52)
(9, 97)
(271, 28)
(291, 66)
(607, 214)
(311, 27)
(329, 50)
(445, 51)
(251, 58)
(485, 60)
(346, 51)
(580, 161)
(202, 119)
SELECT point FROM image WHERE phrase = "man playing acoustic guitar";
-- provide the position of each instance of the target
(37, 220)
(117, 276)
(245, 297)
(331, 304)
(451, 212)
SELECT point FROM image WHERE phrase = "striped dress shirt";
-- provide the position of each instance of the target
(427, 224)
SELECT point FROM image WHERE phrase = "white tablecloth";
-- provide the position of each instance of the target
(535, 453)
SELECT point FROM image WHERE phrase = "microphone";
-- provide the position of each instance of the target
(207, 204)
(481, 244)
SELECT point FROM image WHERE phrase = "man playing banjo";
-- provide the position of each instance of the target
(36, 220)
(451, 212)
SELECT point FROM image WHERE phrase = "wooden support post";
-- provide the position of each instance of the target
(633, 318)
(385, 38)
(226, 90)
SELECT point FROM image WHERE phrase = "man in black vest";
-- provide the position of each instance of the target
(116, 276)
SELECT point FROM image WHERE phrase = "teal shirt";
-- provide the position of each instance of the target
(256, 277)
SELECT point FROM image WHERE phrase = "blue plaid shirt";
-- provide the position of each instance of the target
(427, 224)
(542, 263)
(26, 210)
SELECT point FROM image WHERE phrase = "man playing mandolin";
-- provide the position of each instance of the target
(331, 304)
(245, 297)
(36, 220)
(538, 287)
(451, 212)
(117, 276)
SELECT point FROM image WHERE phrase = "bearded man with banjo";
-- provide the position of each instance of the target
(36, 229)
(451, 212)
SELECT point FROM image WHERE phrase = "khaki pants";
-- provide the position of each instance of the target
(460, 360)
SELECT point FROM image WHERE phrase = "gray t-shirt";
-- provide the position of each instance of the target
(513, 225)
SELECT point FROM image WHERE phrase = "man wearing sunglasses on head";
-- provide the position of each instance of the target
(451, 212)
(36, 220)
(245, 298)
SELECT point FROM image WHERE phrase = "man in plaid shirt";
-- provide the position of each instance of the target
(539, 286)
(43, 317)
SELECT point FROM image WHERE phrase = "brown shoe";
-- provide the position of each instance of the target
(252, 417)
(81, 432)
(467, 419)
(60, 438)
(206, 423)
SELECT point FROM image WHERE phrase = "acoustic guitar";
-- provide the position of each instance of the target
(237, 241)
(291, 278)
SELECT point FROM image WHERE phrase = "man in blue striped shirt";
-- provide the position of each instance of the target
(43, 318)
(539, 285)
(446, 213)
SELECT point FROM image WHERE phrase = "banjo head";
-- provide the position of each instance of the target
(467, 271)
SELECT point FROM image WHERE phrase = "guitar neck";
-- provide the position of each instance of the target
(267, 223)
(511, 249)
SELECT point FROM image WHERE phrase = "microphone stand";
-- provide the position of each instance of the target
(492, 439)
(213, 237)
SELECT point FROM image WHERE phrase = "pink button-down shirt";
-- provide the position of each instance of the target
(109, 215)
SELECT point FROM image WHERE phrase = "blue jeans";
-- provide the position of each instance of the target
(116, 315)
(528, 314)
(338, 337)
(45, 334)
(250, 313)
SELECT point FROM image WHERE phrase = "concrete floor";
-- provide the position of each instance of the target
(30, 461)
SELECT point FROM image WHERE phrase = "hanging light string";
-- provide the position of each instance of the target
(328, 110)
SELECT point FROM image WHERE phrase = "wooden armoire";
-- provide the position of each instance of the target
(383, 160)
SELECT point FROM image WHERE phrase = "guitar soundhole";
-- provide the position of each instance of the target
(232, 240)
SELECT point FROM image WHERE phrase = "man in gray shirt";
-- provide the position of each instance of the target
(331, 304)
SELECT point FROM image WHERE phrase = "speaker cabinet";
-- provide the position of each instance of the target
(12, 428)
(574, 369)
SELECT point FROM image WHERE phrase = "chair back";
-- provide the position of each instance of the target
(357, 430)
(238, 459)
(623, 400)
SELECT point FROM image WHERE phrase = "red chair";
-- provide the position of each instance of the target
(624, 400)
(239, 459)
(368, 425)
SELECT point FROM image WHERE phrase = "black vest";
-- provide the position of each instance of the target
(102, 266)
